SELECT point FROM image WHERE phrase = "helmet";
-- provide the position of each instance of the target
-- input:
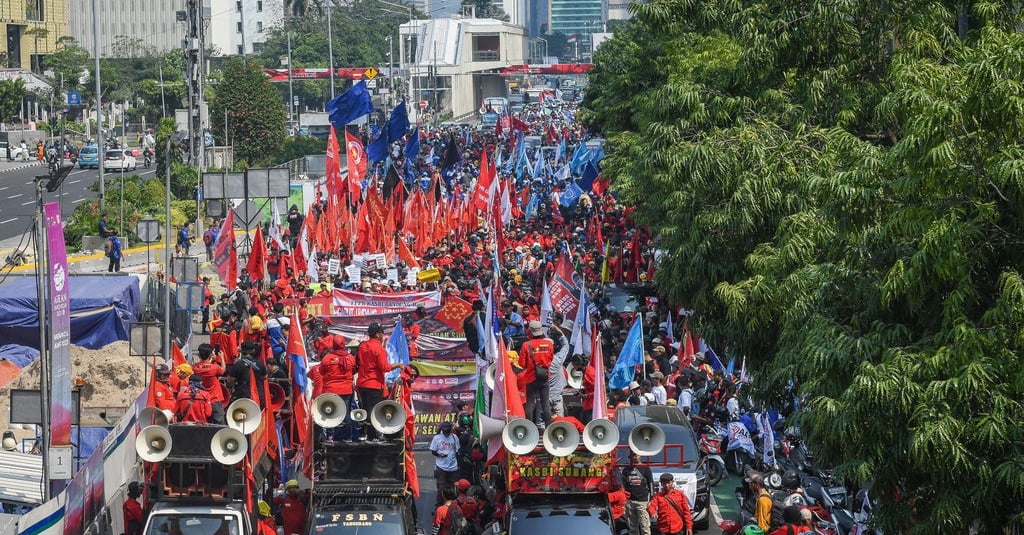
(465, 420)
(9, 442)
(752, 530)
(184, 369)
(263, 508)
(291, 483)
(375, 328)
(790, 480)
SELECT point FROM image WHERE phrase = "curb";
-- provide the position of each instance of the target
(24, 165)
(95, 256)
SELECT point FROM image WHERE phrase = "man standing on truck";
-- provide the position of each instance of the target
(538, 353)
(670, 510)
(639, 483)
(132, 510)
(373, 364)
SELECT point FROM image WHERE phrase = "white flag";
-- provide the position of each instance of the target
(275, 226)
(546, 310)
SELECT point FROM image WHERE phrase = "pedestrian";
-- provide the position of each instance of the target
(210, 368)
(445, 448)
(132, 510)
(373, 364)
(103, 227)
(193, 403)
(537, 354)
(293, 509)
(442, 514)
(669, 509)
(114, 253)
(267, 526)
(556, 375)
(639, 484)
(184, 242)
(763, 505)
(658, 388)
(469, 326)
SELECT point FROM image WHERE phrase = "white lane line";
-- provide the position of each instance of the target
(74, 182)
(3, 188)
(78, 201)
(8, 221)
(27, 203)
(16, 196)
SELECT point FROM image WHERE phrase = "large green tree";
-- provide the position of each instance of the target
(12, 91)
(840, 189)
(253, 110)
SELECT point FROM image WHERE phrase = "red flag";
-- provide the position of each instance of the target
(482, 193)
(151, 395)
(177, 357)
(453, 312)
(332, 167)
(225, 257)
(257, 256)
(686, 347)
(302, 391)
(505, 401)
(356, 165)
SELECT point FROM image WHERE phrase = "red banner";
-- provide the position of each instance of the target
(540, 472)
(565, 288)
(349, 303)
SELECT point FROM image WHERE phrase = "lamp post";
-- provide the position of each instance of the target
(99, 101)
(391, 73)
(330, 49)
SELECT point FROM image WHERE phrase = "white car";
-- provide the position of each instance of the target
(119, 160)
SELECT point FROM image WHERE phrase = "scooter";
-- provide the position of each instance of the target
(147, 158)
(711, 444)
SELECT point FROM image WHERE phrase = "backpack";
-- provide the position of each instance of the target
(208, 237)
(458, 525)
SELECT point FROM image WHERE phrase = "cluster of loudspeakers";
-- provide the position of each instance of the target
(574, 378)
(387, 417)
(227, 446)
(521, 436)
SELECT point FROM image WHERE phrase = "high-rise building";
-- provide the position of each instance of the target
(120, 21)
(30, 30)
(242, 26)
(576, 19)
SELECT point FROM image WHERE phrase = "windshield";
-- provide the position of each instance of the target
(560, 521)
(358, 523)
(192, 524)
(88, 150)
(114, 154)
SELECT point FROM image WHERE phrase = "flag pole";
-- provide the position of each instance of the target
(643, 363)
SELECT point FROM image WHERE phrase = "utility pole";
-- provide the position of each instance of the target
(195, 77)
(330, 49)
(100, 154)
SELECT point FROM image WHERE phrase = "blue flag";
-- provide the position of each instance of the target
(538, 164)
(570, 195)
(589, 175)
(398, 351)
(412, 146)
(560, 152)
(580, 158)
(713, 360)
(631, 356)
(377, 149)
(398, 123)
(350, 105)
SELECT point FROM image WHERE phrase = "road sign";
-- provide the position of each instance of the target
(371, 84)
(74, 98)
(370, 73)
(248, 210)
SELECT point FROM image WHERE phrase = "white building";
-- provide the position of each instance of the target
(241, 26)
(465, 53)
(152, 21)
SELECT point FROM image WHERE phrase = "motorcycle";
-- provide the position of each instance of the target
(740, 452)
(147, 160)
(710, 444)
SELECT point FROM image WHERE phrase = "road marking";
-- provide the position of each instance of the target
(27, 203)
(75, 181)
(16, 196)
(3, 188)
(8, 221)
(78, 201)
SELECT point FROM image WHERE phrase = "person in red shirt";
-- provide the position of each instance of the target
(617, 497)
(193, 402)
(267, 526)
(536, 352)
(132, 510)
(373, 364)
(293, 509)
(210, 368)
(162, 396)
(442, 517)
(669, 509)
(412, 333)
(793, 522)
(336, 376)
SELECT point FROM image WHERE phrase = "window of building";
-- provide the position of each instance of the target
(259, 26)
(259, 6)
(240, 50)
(238, 6)
(238, 27)
(486, 47)
(34, 10)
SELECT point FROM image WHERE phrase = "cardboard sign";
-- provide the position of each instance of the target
(355, 274)
(333, 266)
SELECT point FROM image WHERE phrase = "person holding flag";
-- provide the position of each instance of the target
(373, 364)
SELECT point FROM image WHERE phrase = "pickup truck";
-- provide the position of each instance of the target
(200, 519)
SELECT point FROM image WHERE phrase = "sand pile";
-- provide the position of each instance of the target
(113, 380)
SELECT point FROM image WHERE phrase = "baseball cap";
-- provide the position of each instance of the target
(536, 328)
(666, 477)
(462, 485)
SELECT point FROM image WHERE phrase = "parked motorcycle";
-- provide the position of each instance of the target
(710, 444)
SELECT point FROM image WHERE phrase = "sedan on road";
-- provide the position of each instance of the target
(119, 160)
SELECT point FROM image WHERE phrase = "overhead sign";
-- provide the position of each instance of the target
(370, 73)
(74, 98)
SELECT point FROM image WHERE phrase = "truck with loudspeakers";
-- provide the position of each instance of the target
(360, 481)
(557, 481)
(203, 479)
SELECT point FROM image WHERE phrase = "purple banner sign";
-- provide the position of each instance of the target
(60, 329)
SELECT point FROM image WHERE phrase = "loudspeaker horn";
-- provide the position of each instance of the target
(600, 436)
(359, 415)
(520, 436)
(646, 439)
(152, 416)
(561, 439)
(489, 375)
(387, 417)
(153, 444)
(329, 410)
(490, 427)
(574, 378)
(277, 396)
(229, 446)
(244, 415)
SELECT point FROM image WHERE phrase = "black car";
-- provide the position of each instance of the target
(374, 511)
(680, 456)
(552, 514)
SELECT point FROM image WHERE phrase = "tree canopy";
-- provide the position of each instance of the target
(254, 113)
(839, 187)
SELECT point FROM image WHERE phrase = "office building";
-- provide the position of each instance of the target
(151, 22)
(30, 30)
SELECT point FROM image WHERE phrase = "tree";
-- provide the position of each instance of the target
(69, 63)
(254, 111)
(838, 188)
(12, 91)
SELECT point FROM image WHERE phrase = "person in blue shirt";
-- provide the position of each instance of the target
(514, 322)
(114, 252)
(183, 240)
(104, 227)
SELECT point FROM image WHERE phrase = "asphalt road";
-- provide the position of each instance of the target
(17, 193)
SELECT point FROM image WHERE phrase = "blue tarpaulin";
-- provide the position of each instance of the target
(101, 310)
(20, 356)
